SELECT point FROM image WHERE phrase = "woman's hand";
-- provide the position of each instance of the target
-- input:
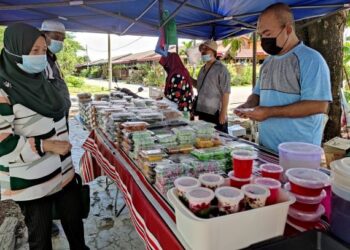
(57, 147)
(222, 118)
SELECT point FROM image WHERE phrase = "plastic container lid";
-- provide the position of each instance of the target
(200, 194)
(209, 179)
(307, 199)
(300, 148)
(186, 183)
(308, 178)
(271, 168)
(229, 193)
(234, 178)
(306, 216)
(255, 191)
(342, 166)
(244, 155)
(341, 191)
(267, 182)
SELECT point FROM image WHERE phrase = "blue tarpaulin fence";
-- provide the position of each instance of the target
(200, 19)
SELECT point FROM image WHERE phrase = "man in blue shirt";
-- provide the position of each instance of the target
(293, 90)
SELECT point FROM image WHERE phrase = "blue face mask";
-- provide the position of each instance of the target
(55, 46)
(31, 64)
(206, 58)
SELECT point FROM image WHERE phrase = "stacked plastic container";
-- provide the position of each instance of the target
(307, 185)
(340, 216)
(242, 164)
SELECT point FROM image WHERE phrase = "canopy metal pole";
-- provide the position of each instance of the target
(117, 16)
(233, 18)
(140, 16)
(254, 58)
(109, 63)
(172, 15)
(55, 4)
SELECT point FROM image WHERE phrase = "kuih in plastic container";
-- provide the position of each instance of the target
(271, 170)
(135, 126)
(272, 184)
(211, 181)
(299, 155)
(229, 199)
(306, 181)
(199, 200)
(255, 195)
(306, 203)
(306, 220)
(232, 231)
(184, 184)
(238, 182)
(243, 163)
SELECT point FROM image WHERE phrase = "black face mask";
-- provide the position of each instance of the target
(269, 45)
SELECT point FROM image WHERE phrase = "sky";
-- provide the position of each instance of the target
(97, 44)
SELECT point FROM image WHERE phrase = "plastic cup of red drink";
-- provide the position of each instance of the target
(199, 200)
(255, 195)
(229, 199)
(273, 185)
(307, 182)
(271, 170)
(238, 182)
(305, 220)
(306, 203)
(211, 181)
(242, 161)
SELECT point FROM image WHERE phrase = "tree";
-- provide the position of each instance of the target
(235, 45)
(2, 31)
(68, 58)
(186, 46)
(326, 36)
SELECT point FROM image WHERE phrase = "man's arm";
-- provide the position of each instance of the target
(295, 110)
(224, 107)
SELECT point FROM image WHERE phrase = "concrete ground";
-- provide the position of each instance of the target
(102, 229)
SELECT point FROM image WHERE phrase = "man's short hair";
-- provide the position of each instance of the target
(282, 12)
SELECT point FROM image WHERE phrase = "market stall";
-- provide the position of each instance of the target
(148, 189)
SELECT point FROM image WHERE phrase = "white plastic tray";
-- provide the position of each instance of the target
(233, 231)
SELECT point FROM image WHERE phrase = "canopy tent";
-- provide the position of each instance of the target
(200, 19)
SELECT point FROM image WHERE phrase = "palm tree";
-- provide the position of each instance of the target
(235, 44)
(185, 46)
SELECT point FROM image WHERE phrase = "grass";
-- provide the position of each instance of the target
(87, 88)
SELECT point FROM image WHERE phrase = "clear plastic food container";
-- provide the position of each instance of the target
(255, 195)
(211, 181)
(229, 199)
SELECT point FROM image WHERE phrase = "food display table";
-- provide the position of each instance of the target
(151, 213)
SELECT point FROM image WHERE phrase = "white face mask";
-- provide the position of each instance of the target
(206, 58)
(55, 46)
(31, 64)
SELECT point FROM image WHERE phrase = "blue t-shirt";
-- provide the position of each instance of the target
(299, 75)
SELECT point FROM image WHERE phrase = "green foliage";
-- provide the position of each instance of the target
(2, 30)
(138, 74)
(155, 76)
(235, 43)
(95, 72)
(68, 57)
(185, 46)
(74, 81)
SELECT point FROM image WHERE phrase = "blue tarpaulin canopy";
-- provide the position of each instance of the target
(201, 19)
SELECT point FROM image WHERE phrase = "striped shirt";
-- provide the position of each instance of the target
(26, 172)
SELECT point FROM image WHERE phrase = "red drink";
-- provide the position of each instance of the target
(243, 163)
(271, 171)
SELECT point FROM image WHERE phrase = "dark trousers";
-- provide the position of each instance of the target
(214, 119)
(38, 218)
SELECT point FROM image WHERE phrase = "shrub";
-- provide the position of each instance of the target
(74, 81)
(95, 72)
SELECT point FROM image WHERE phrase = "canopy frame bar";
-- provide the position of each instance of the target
(139, 17)
(229, 18)
(175, 12)
(117, 16)
(56, 4)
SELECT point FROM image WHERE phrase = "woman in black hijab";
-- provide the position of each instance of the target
(35, 159)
